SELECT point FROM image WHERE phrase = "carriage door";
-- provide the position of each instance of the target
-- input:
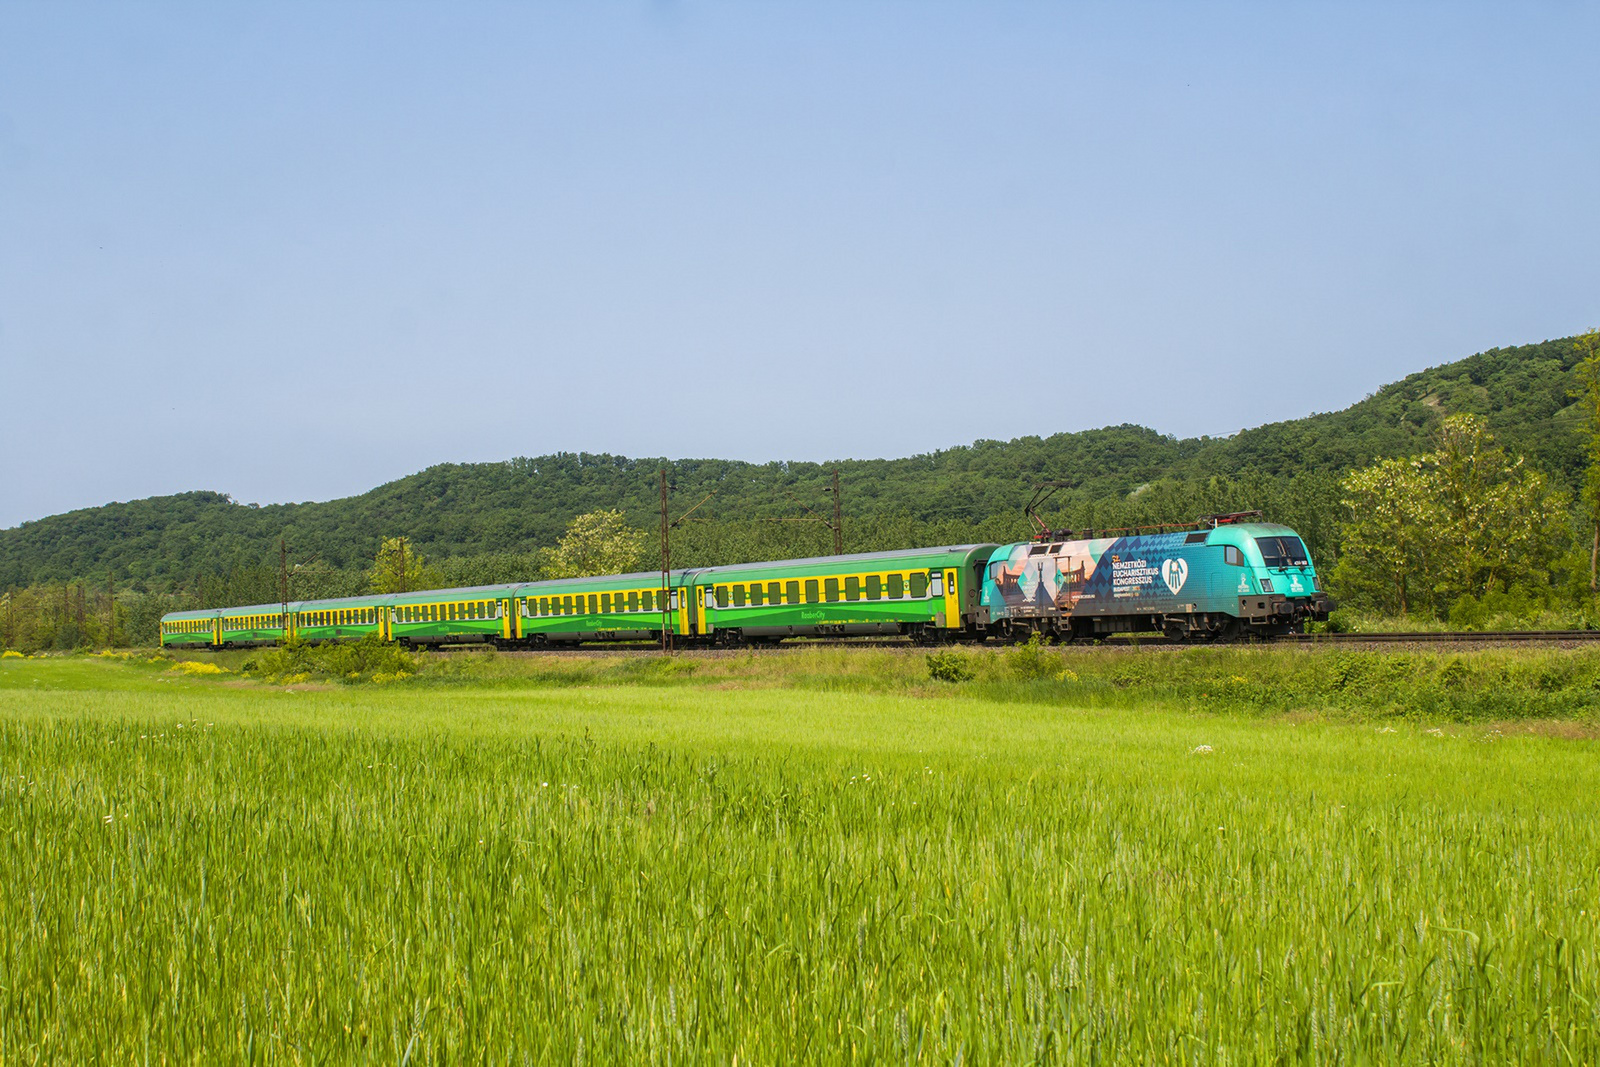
(216, 631)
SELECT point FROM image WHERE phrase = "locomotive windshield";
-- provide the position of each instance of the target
(1283, 552)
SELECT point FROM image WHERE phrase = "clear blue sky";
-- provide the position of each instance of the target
(289, 251)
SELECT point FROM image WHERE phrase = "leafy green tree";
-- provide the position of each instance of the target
(1500, 522)
(599, 542)
(398, 568)
(1389, 541)
(1463, 520)
(1587, 392)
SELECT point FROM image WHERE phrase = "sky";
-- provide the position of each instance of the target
(291, 251)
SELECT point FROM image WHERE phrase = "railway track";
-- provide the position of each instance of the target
(1143, 641)
(1486, 637)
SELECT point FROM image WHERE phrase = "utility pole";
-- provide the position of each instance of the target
(666, 569)
(402, 588)
(838, 517)
(111, 609)
(283, 577)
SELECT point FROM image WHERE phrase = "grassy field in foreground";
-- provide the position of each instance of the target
(203, 870)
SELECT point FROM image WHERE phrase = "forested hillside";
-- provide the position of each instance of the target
(1119, 475)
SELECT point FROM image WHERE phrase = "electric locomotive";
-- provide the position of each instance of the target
(1225, 577)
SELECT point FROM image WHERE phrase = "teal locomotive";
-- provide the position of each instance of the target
(1227, 578)
(1223, 578)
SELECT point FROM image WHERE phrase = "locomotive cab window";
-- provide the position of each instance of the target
(1232, 556)
(1283, 551)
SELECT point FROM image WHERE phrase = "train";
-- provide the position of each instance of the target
(1223, 577)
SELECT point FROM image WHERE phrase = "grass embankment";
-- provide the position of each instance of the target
(1481, 685)
(713, 868)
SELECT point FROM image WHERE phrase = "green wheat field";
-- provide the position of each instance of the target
(746, 864)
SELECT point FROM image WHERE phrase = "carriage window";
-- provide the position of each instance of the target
(897, 586)
(811, 591)
(722, 597)
(738, 595)
(774, 593)
(605, 601)
(594, 603)
(1232, 556)
(647, 600)
(791, 592)
(919, 583)
(830, 587)
(633, 601)
(874, 587)
(852, 588)
(757, 594)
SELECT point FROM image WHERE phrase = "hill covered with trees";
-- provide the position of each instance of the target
(482, 521)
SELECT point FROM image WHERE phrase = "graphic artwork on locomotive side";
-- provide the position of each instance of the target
(1229, 579)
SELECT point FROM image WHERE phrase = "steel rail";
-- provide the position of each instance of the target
(1142, 641)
